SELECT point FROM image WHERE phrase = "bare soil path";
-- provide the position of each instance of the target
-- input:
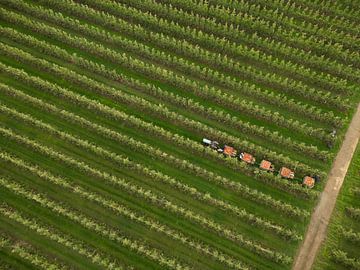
(320, 218)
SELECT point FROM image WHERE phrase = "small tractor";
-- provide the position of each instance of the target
(212, 144)
(229, 151)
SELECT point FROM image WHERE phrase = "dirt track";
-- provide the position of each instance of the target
(320, 218)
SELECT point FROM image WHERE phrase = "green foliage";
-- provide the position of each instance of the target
(92, 225)
(102, 109)
(342, 247)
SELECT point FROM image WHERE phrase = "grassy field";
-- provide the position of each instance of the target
(341, 248)
(104, 105)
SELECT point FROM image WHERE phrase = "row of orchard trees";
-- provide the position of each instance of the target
(275, 25)
(152, 129)
(157, 176)
(210, 93)
(277, 43)
(353, 212)
(195, 52)
(202, 73)
(335, 11)
(221, 44)
(162, 111)
(307, 19)
(195, 106)
(349, 234)
(251, 30)
(68, 241)
(152, 197)
(119, 209)
(186, 103)
(342, 257)
(168, 76)
(241, 189)
(28, 253)
(93, 225)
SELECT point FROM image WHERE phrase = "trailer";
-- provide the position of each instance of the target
(229, 151)
(246, 157)
(286, 173)
(267, 166)
(308, 182)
